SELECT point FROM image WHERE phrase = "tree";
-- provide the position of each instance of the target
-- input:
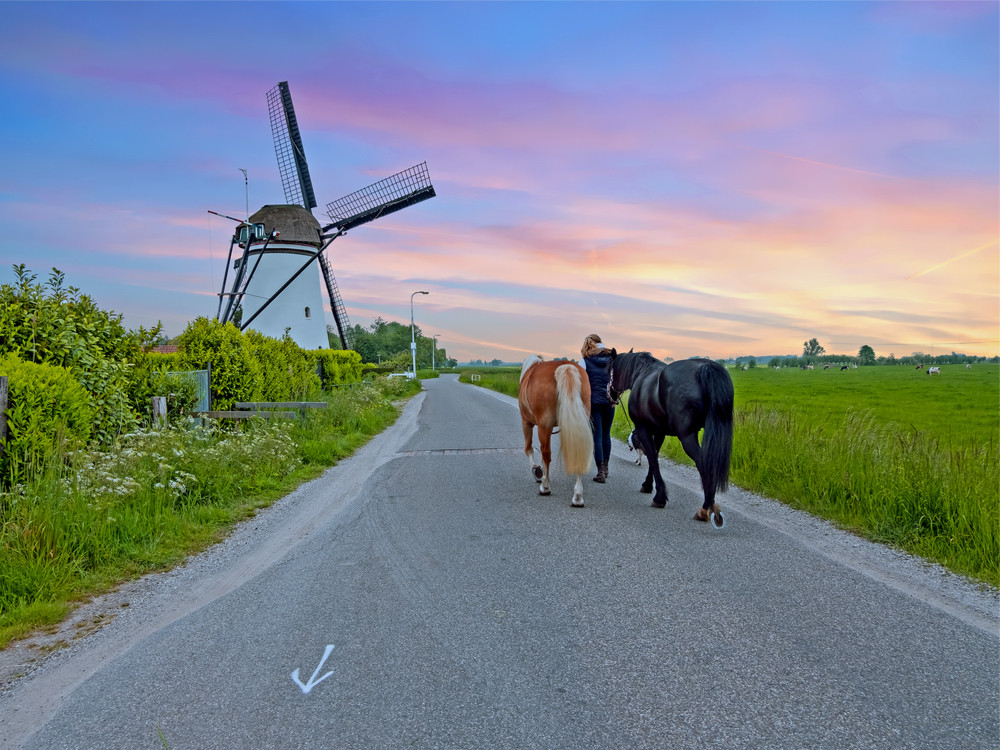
(866, 355)
(812, 348)
(333, 337)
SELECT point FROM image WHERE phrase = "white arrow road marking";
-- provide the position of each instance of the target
(312, 680)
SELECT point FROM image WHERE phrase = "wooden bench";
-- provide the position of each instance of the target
(301, 406)
(264, 409)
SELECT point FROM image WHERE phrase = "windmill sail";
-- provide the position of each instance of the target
(380, 198)
(288, 148)
(336, 302)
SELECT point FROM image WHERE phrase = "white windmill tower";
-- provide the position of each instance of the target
(275, 286)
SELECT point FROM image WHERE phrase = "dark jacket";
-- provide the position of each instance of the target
(598, 370)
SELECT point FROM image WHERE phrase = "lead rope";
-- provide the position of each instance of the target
(611, 378)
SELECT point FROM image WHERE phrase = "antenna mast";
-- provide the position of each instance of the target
(246, 187)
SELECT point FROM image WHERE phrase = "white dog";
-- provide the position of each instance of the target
(633, 446)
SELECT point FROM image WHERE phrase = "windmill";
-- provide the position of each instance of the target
(279, 243)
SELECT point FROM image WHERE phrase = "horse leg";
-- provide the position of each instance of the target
(651, 444)
(708, 511)
(545, 445)
(646, 441)
(647, 483)
(529, 450)
(577, 501)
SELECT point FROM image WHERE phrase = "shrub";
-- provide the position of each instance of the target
(288, 373)
(48, 415)
(58, 326)
(339, 366)
(236, 372)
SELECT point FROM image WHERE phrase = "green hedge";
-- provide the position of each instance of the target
(48, 414)
(339, 366)
(287, 371)
(57, 325)
(250, 366)
(236, 372)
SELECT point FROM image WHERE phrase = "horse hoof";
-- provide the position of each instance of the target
(543, 491)
(537, 471)
(646, 490)
(718, 522)
(655, 504)
(576, 505)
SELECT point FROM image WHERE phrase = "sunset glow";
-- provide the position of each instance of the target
(714, 178)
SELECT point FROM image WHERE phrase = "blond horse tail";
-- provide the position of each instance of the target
(576, 437)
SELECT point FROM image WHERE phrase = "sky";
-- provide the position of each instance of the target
(687, 178)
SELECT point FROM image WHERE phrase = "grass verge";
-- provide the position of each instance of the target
(161, 496)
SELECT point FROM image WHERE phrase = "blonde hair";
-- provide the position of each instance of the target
(590, 345)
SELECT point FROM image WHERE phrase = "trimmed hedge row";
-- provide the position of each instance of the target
(253, 367)
(49, 414)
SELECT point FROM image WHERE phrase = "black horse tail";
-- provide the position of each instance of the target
(717, 439)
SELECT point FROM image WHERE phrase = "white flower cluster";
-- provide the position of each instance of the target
(171, 461)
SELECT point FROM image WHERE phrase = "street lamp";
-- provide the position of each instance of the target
(413, 340)
(433, 350)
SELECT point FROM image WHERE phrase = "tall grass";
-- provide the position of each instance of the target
(895, 486)
(160, 496)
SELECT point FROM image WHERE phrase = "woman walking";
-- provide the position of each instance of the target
(597, 361)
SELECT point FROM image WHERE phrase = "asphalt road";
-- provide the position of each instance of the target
(423, 595)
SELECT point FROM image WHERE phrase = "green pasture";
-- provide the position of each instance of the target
(956, 408)
(889, 452)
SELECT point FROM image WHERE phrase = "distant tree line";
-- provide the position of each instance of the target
(814, 353)
(388, 343)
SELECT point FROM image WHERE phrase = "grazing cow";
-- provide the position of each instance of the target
(919, 366)
(933, 370)
(968, 366)
(826, 367)
(745, 368)
(843, 368)
(855, 366)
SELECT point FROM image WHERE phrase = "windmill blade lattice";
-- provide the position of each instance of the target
(336, 302)
(292, 165)
(380, 198)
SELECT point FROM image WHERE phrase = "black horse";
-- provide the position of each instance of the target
(679, 399)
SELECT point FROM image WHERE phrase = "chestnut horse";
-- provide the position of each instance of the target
(550, 394)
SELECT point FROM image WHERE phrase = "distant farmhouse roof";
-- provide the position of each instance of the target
(167, 349)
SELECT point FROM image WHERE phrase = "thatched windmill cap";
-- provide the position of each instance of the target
(295, 223)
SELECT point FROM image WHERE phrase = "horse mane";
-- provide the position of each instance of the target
(528, 363)
(632, 361)
(645, 356)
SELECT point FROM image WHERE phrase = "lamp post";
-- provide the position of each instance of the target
(413, 340)
(434, 351)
